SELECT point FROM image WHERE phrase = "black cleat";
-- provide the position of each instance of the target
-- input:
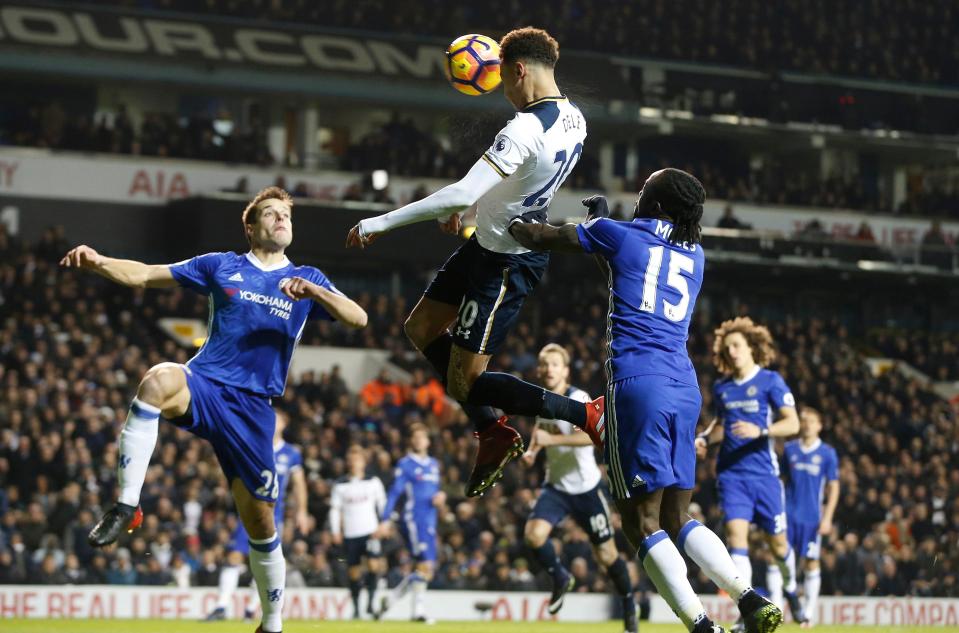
(705, 625)
(759, 615)
(117, 519)
(630, 619)
(795, 607)
(560, 589)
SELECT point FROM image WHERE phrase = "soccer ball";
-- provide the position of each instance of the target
(472, 64)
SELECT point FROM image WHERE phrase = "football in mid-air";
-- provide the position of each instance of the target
(472, 64)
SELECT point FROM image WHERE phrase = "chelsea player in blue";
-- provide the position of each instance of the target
(655, 268)
(289, 473)
(223, 393)
(417, 479)
(811, 468)
(755, 407)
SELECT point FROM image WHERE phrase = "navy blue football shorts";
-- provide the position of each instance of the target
(489, 288)
(589, 509)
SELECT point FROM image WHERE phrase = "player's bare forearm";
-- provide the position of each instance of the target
(787, 425)
(299, 489)
(832, 500)
(544, 237)
(340, 307)
(136, 274)
(122, 271)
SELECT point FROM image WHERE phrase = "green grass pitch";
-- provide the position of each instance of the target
(183, 626)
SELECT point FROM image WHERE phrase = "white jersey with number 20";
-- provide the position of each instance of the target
(534, 154)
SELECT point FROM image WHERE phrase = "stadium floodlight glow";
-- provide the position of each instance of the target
(380, 179)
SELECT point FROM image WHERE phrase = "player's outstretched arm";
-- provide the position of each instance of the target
(451, 199)
(122, 271)
(544, 237)
(340, 307)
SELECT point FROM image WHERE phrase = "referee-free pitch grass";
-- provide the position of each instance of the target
(300, 626)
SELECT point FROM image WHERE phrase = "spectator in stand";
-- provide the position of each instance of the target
(730, 221)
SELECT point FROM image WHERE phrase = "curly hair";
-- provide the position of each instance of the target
(758, 338)
(531, 45)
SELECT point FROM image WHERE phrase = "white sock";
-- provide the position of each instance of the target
(269, 571)
(811, 586)
(418, 588)
(740, 556)
(774, 583)
(405, 585)
(137, 441)
(229, 581)
(254, 602)
(787, 567)
(667, 569)
(707, 551)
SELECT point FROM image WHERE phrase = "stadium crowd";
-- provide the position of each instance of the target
(50, 124)
(899, 40)
(74, 347)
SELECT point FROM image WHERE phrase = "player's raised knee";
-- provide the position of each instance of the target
(160, 383)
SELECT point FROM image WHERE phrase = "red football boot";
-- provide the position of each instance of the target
(596, 421)
(498, 445)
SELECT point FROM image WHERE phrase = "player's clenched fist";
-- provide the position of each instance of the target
(81, 257)
(298, 288)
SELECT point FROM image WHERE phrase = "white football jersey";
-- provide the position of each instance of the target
(570, 469)
(357, 503)
(534, 153)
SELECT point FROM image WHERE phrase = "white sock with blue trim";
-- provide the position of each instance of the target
(137, 441)
(811, 586)
(740, 557)
(269, 571)
(667, 569)
(707, 551)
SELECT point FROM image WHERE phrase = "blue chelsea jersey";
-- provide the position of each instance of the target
(418, 480)
(653, 284)
(253, 327)
(757, 399)
(808, 470)
(288, 459)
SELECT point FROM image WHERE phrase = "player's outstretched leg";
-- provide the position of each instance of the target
(163, 389)
(707, 550)
(782, 576)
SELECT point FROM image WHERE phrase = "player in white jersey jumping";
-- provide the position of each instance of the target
(356, 503)
(574, 488)
(470, 306)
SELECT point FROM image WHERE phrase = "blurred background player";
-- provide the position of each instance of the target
(417, 479)
(755, 407)
(223, 393)
(356, 504)
(573, 487)
(655, 265)
(289, 472)
(811, 469)
(479, 291)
